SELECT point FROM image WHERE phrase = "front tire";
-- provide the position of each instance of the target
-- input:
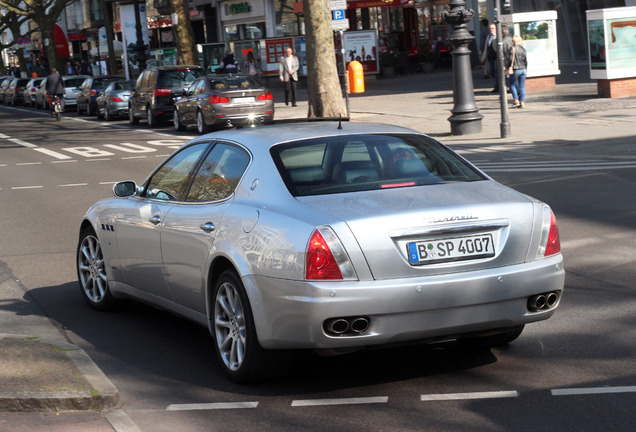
(91, 272)
(152, 121)
(131, 116)
(242, 358)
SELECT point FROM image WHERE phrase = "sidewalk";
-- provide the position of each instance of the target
(49, 384)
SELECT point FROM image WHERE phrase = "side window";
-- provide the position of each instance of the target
(140, 80)
(219, 174)
(169, 180)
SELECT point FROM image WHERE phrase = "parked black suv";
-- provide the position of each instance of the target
(156, 89)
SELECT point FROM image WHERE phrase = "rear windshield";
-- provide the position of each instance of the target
(124, 85)
(73, 82)
(368, 162)
(103, 82)
(179, 78)
(234, 83)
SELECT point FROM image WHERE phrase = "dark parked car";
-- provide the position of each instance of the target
(28, 93)
(224, 100)
(13, 95)
(90, 89)
(156, 89)
(113, 102)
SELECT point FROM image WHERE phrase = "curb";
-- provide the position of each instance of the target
(101, 395)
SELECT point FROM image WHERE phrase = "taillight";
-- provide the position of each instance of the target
(116, 99)
(33, 89)
(266, 96)
(93, 92)
(326, 259)
(162, 92)
(550, 243)
(219, 99)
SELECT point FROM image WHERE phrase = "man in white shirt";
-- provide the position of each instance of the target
(288, 73)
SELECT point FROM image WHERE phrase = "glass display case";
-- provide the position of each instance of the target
(538, 31)
(612, 43)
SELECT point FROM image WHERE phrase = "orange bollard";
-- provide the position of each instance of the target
(355, 74)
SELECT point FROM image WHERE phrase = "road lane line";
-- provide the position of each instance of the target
(26, 187)
(211, 406)
(22, 143)
(64, 161)
(592, 390)
(341, 401)
(467, 396)
(52, 153)
(28, 163)
(74, 184)
(3, 136)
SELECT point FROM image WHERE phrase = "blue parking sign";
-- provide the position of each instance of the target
(338, 15)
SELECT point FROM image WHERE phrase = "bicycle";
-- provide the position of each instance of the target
(54, 101)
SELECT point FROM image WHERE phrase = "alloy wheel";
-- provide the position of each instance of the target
(91, 270)
(229, 326)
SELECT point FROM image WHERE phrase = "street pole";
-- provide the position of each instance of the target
(504, 126)
(466, 118)
(140, 47)
(344, 68)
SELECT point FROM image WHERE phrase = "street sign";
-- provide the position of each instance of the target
(342, 24)
(338, 15)
(337, 4)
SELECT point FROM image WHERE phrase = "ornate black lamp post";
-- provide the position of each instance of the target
(140, 46)
(466, 118)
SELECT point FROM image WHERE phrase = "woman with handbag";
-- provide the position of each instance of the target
(517, 72)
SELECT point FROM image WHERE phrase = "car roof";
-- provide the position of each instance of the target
(266, 136)
(176, 67)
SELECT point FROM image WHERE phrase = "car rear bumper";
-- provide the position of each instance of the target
(291, 314)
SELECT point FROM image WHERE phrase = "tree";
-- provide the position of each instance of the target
(11, 21)
(45, 14)
(110, 36)
(323, 83)
(183, 32)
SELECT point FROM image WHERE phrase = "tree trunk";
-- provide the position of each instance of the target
(110, 36)
(184, 34)
(323, 83)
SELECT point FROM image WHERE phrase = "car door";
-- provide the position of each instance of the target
(191, 104)
(139, 224)
(191, 227)
(137, 98)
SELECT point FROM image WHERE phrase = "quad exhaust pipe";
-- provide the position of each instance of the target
(545, 301)
(346, 326)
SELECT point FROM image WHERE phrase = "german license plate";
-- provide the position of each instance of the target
(452, 249)
(243, 100)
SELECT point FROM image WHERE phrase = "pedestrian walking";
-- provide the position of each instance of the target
(288, 73)
(517, 72)
(228, 64)
(251, 66)
(484, 36)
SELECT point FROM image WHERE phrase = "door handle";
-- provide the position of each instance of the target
(207, 227)
(156, 220)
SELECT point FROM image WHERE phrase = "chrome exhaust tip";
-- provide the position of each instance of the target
(551, 299)
(360, 325)
(338, 326)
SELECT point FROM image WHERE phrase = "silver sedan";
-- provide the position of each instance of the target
(331, 238)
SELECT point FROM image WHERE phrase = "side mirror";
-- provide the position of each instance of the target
(125, 189)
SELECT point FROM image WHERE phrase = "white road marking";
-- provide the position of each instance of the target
(22, 143)
(592, 390)
(211, 406)
(3, 136)
(107, 183)
(28, 163)
(52, 153)
(26, 187)
(64, 161)
(342, 401)
(469, 396)
(74, 184)
(98, 160)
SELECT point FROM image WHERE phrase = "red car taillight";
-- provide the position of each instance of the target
(266, 96)
(93, 92)
(326, 258)
(219, 99)
(554, 243)
(116, 99)
(162, 92)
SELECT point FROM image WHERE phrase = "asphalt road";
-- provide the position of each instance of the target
(575, 371)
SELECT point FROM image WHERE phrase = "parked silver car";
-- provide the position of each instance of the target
(28, 94)
(327, 237)
(113, 102)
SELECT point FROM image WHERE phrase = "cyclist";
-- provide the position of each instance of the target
(54, 87)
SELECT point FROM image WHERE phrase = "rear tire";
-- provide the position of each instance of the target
(175, 119)
(91, 272)
(152, 120)
(242, 358)
(201, 126)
